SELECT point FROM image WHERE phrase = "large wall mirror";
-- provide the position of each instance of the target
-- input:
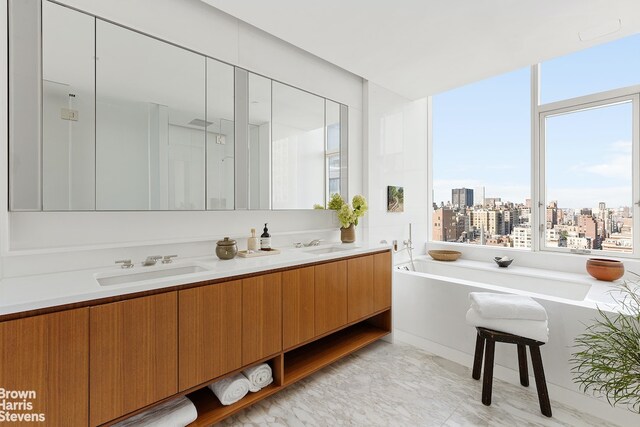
(110, 119)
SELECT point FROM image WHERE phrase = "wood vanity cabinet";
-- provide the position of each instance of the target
(330, 302)
(49, 355)
(261, 317)
(360, 287)
(134, 355)
(381, 281)
(298, 306)
(209, 331)
(101, 363)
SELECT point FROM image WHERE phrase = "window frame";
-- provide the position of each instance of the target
(574, 105)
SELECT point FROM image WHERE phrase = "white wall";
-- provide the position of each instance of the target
(195, 25)
(396, 154)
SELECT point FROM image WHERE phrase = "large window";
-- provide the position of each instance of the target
(481, 161)
(587, 151)
(585, 192)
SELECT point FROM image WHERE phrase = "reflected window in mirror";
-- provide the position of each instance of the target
(259, 159)
(220, 136)
(332, 154)
(150, 109)
(298, 148)
(68, 109)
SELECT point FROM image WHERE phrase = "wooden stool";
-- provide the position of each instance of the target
(491, 337)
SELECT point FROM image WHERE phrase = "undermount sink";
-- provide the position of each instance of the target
(330, 249)
(121, 278)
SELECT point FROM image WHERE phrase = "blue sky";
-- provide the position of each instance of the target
(482, 132)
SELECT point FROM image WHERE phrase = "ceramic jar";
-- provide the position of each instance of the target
(226, 248)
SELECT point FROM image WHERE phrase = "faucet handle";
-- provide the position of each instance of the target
(167, 259)
(126, 263)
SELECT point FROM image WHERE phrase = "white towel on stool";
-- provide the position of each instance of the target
(506, 306)
(535, 329)
(259, 376)
(174, 413)
(230, 390)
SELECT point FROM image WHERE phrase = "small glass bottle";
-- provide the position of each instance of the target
(265, 239)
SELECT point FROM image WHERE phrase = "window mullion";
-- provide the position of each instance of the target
(537, 171)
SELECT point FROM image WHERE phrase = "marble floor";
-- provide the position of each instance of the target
(400, 385)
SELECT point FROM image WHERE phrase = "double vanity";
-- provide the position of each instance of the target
(100, 346)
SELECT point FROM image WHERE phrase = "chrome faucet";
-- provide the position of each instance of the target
(168, 259)
(314, 242)
(151, 260)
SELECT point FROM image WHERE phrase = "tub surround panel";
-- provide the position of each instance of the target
(543, 260)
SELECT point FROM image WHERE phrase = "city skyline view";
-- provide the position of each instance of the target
(482, 132)
(482, 141)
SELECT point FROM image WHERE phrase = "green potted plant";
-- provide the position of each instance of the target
(347, 215)
(607, 360)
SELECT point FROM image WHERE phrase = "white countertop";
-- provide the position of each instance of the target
(34, 292)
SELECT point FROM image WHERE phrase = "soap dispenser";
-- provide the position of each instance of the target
(253, 244)
(265, 239)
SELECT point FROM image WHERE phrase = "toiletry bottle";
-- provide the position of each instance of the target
(253, 244)
(265, 240)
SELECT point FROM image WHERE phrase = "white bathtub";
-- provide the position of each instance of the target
(430, 304)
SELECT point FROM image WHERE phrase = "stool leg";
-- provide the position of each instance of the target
(477, 359)
(541, 383)
(522, 365)
(487, 376)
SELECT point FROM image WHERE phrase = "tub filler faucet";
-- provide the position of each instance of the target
(408, 246)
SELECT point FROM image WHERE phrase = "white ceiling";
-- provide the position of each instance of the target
(421, 47)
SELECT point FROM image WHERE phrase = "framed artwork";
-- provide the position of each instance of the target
(395, 199)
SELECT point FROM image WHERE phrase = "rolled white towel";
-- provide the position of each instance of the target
(174, 413)
(259, 376)
(507, 306)
(230, 390)
(535, 329)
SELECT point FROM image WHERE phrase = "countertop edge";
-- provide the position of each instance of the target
(103, 295)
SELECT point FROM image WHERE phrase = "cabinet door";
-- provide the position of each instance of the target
(381, 281)
(330, 296)
(48, 357)
(360, 286)
(209, 331)
(297, 306)
(261, 317)
(133, 359)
